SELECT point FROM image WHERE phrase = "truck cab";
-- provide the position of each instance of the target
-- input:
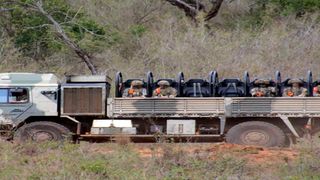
(25, 95)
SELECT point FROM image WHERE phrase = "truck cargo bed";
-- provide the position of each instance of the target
(214, 107)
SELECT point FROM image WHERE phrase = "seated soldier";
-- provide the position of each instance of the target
(23, 98)
(262, 89)
(164, 90)
(136, 90)
(295, 90)
(316, 91)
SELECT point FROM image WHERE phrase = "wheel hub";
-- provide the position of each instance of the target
(256, 138)
(41, 136)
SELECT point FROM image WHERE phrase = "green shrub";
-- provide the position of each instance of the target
(95, 166)
(138, 30)
(299, 7)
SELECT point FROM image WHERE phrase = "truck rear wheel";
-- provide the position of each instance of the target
(256, 133)
(42, 131)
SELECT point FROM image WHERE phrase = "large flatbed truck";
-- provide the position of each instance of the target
(38, 107)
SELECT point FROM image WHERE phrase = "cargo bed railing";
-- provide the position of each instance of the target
(289, 106)
(214, 107)
(169, 107)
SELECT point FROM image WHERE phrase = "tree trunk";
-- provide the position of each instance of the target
(214, 10)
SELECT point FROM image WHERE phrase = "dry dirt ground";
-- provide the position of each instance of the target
(252, 154)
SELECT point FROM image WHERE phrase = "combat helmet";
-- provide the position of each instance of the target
(163, 83)
(295, 80)
(136, 83)
(262, 82)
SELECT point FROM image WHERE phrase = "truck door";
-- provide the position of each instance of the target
(13, 103)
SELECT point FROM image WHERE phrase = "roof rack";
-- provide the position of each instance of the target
(88, 79)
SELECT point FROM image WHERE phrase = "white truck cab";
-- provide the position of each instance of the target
(23, 95)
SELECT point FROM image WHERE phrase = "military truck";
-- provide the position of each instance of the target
(39, 107)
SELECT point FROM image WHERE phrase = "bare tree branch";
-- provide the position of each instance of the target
(63, 36)
(193, 7)
(85, 29)
(216, 5)
(141, 20)
(40, 26)
(5, 9)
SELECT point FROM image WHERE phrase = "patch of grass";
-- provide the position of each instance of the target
(307, 165)
(72, 161)
(165, 161)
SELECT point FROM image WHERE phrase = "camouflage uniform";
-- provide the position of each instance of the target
(295, 90)
(316, 91)
(263, 90)
(164, 90)
(136, 90)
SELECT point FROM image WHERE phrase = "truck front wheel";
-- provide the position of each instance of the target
(256, 133)
(42, 131)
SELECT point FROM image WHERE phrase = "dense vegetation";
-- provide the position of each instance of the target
(135, 36)
(260, 36)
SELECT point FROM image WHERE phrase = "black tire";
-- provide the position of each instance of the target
(42, 131)
(246, 81)
(278, 83)
(118, 84)
(256, 133)
(149, 84)
(180, 81)
(309, 83)
(214, 81)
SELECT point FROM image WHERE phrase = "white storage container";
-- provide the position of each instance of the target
(112, 123)
(112, 126)
(181, 126)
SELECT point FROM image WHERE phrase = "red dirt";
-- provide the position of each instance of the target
(254, 155)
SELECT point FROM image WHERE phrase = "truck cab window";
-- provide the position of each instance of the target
(3, 95)
(18, 95)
